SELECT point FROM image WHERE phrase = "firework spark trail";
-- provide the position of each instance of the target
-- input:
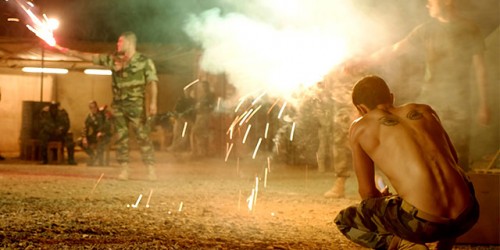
(245, 117)
(228, 151)
(246, 133)
(235, 121)
(40, 28)
(149, 197)
(292, 132)
(137, 202)
(258, 98)
(272, 106)
(281, 110)
(191, 84)
(95, 185)
(253, 113)
(266, 131)
(265, 178)
(256, 148)
(184, 129)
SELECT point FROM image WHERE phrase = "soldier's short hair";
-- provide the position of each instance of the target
(130, 36)
(371, 91)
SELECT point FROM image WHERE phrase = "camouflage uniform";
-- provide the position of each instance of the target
(375, 221)
(54, 126)
(94, 124)
(129, 86)
(184, 116)
(333, 119)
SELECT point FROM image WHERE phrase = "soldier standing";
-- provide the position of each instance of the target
(54, 125)
(132, 73)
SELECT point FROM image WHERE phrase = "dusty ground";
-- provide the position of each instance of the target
(194, 205)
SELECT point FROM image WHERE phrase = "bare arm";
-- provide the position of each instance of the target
(481, 79)
(154, 98)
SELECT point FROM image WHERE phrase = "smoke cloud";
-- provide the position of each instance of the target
(279, 45)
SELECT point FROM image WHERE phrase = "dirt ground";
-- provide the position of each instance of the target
(195, 204)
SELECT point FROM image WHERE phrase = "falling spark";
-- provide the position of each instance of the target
(267, 130)
(245, 116)
(191, 84)
(250, 200)
(184, 129)
(137, 202)
(180, 206)
(269, 163)
(258, 98)
(40, 28)
(272, 106)
(218, 103)
(293, 130)
(231, 133)
(253, 113)
(265, 178)
(228, 152)
(256, 148)
(95, 185)
(281, 110)
(235, 121)
(239, 105)
(246, 133)
(149, 197)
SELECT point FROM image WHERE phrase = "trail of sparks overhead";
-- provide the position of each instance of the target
(41, 28)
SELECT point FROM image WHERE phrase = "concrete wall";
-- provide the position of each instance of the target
(73, 91)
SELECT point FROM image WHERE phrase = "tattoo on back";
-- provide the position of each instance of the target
(389, 120)
(414, 115)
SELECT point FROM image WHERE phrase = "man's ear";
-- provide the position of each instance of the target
(362, 109)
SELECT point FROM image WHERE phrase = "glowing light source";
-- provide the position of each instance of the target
(101, 72)
(45, 70)
(42, 29)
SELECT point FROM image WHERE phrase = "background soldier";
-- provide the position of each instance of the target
(54, 126)
(132, 73)
(96, 135)
(184, 118)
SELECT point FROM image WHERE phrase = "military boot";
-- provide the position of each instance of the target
(337, 190)
(124, 173)
(151, 172)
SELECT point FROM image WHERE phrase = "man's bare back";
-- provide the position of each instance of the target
(408, 144)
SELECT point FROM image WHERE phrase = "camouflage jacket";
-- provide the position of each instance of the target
(129, 78)
(95, 123)
(57, 124)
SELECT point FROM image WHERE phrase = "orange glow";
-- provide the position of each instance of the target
(42, 29)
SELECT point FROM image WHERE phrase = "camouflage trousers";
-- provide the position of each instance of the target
(374, 222)
(95, 148)
(132, 114)
(66, 139)
(332, 145)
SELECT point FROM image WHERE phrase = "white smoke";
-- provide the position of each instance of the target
(281, 45)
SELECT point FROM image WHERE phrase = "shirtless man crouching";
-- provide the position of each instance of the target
(434, 199)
